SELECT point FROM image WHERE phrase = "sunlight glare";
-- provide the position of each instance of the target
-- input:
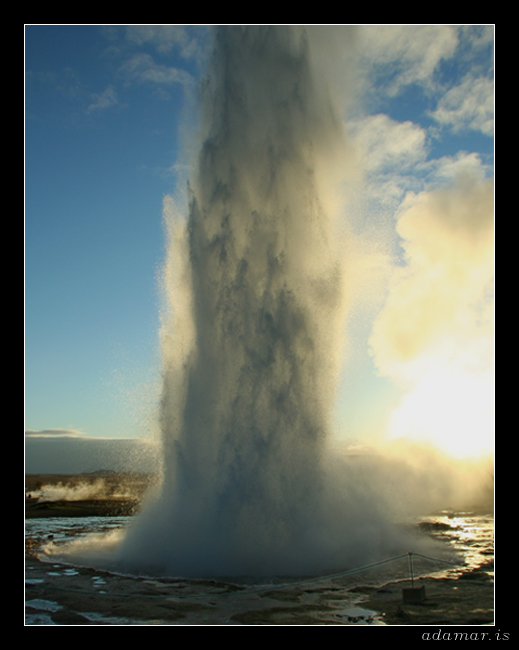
(451, 409)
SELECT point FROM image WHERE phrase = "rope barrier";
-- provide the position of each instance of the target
(270, 587)
(366, 567)
(434, 559)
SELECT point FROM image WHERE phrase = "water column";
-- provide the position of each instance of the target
(245, 411)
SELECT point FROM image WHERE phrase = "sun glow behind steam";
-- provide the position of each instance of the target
(435, 334)
(450, 408)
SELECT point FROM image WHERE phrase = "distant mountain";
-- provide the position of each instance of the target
(80, 454)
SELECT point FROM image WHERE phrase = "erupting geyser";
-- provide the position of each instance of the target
(252, 344)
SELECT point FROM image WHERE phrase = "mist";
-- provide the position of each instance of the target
(99, 488)
(262, 268)
(435, 333)
(256, 293)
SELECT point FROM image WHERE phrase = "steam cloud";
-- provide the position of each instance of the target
(254, 340)
(98, 489)
(257, 288)
(445, 289)
(435, 333)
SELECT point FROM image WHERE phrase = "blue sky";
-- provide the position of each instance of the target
(100, 145)
(107, 111)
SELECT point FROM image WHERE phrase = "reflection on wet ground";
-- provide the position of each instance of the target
(61, 594)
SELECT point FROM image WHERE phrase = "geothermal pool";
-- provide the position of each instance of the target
(459, 584)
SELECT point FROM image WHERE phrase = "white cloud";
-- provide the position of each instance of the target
(440, 301)
(468, 106)
(406, 54)
(53, 433)
(446, 169)
(164, 38)
(384, 144)
(141, 68)
(434, 334)
(101, 101)
(393, 158)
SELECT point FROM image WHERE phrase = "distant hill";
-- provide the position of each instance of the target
(81, 454)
